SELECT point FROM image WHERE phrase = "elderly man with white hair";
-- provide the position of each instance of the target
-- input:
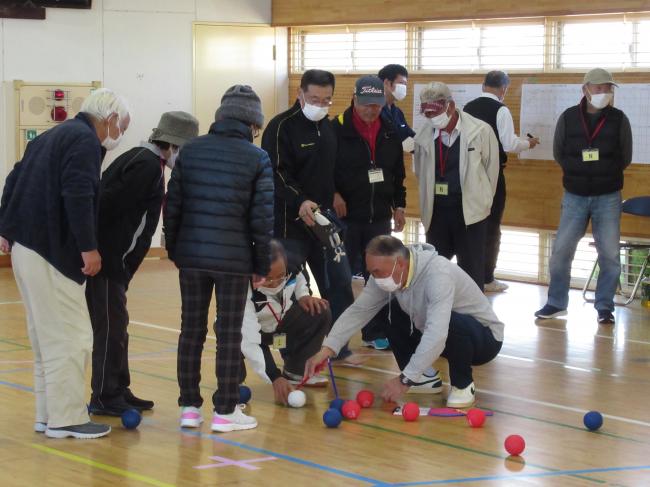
(48, 222)
(457, 165)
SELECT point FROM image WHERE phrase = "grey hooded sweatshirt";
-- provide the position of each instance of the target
(437, 288)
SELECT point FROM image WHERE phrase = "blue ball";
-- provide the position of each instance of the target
(131, 419)
(593, 420)
(244, 394)
(332, 418)
(337, 404)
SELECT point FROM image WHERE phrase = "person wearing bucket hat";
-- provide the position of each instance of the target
(218, 223)
(132, 190)
(593, 146)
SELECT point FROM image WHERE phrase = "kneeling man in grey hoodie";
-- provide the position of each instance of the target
(439, 312)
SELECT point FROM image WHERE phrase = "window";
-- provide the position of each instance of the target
(449, 49)
(344, 51)
(588, 44)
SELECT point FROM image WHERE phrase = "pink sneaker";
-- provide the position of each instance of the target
(191, 417)
(234, 421)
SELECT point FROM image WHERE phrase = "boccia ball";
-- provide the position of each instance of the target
(351, 409)
(514, 444)
(297, 399)
(244, 394)
(411, 411)
(332, 418)
(337, 403)
(593, 420)
(476, 417)
(365, 398)
(131, 419)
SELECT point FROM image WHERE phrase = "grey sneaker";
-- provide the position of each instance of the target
(85, 431)
(40, 427)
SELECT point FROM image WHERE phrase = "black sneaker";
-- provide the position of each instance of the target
(85, 431)
(136, 402)
(549, 311)
(114, 407)
(605, 317)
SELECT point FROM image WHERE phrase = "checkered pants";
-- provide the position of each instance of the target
(196, 293)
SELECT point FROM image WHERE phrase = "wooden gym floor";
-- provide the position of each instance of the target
(547, 375)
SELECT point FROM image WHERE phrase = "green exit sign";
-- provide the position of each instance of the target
(30, 134)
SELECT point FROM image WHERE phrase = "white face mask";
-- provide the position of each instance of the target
(600, 100)
(171, 161)
(440, 121)
(109, 143)
(272, 291)
(314, 112)
(400, 91)
(388, 284)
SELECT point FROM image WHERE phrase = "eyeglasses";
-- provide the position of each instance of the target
(167, 145)
(275, 280)
(314, 100)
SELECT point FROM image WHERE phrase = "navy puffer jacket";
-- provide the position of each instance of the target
(218, 214)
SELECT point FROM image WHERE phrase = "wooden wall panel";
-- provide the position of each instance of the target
(317, 12)
(534, 187)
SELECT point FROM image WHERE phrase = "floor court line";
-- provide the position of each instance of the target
(484, 391)
(101, 466)
(559, 473)
(631, 340)
(289, 458)
(10, 302)
(526, 400)
(297, 460)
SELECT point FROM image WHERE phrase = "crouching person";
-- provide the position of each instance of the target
(281, 314)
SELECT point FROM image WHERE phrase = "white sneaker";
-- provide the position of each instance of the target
(461, 398)
(428, 384)
(495, 286)
(40, 427)
(191, 417)
(235, 421)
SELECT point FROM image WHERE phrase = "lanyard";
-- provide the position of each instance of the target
(443, 161)
(591, 137)
(277, 318)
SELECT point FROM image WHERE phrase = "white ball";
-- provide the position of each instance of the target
(297, 399)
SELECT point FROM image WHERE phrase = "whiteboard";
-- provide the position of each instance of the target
(462, 94)
(542, 105)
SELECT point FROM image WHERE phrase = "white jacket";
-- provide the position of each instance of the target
(259, 318)
(437, 288)
(478, 166)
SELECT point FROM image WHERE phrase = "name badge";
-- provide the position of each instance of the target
(376, 175)
(590, 155)
(279, 341)
(442, 189)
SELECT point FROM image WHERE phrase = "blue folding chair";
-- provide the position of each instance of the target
(638, 206)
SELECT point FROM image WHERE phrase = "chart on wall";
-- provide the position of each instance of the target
(462, 93)
(542, 105)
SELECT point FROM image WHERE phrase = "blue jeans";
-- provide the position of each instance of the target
(605, 214)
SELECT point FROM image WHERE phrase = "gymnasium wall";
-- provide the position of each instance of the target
(140, 48)
(534, 186)
(318, 12)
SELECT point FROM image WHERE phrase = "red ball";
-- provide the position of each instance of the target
(411, 411)
(514, 444)
(476, 417)
(351, 409)
(365, 398)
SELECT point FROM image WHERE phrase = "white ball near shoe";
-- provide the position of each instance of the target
(297, 399)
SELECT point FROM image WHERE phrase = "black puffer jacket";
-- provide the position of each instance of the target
(368, 202)
(218, 214)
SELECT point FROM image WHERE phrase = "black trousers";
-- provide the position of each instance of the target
(305, 334)
(357, 236)
(334, 279)
(106, 301)
(493, 228)
(450, 236)
(196, 292)
(468, 343)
